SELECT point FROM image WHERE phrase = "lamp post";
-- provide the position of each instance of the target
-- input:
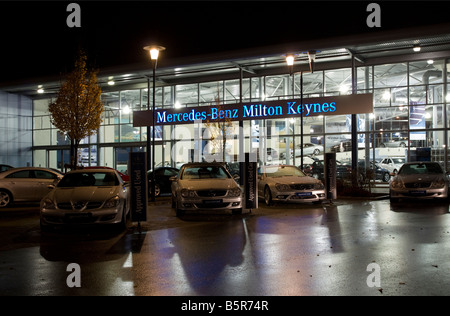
(154, 54)
(290, 63)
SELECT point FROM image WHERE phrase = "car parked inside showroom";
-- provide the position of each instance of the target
(396, 142)
(205, 186)
(26, 184)
(86, 197)
(393, 164)
(309, 149)
(420, 180)
(287, 183)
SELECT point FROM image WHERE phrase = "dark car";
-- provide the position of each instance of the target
(233, 168)
(4, 167)
(162, 179)
(342, 146)
(381, 173)
(343, 171)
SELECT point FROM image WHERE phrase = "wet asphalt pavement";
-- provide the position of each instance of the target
(348, 247)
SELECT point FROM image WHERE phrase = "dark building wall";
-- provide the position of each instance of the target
(16, 126)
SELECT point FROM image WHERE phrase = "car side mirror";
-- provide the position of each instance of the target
(51, 186)
(236, 177)
(173, 178)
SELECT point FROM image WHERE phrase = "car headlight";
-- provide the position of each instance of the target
(235, 192)
(112, 202)
(282, 187)
(48, 204)
(319, 186)
(187, 193)
(438, 184)
(396, 184)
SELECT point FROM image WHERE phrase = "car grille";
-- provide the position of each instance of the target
(302, 186)
(212, 205)
(211, 193)
(79, 205)
(417, 185)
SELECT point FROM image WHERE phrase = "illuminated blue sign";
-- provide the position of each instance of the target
(336, 105)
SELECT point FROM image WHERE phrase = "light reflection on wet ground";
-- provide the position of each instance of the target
(285, 250)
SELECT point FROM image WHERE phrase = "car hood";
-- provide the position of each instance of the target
(292, 180)
(419, 178)
(224, 184)
(83, 194)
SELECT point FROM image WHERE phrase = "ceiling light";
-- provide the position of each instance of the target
(40, 90)
(290, 60)
(430, 61)
(111, 82)
(416, 48)
(126, 110)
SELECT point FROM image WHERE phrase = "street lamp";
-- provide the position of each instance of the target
(290, 63)
(154, 54)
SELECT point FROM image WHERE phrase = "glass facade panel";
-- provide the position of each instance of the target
(410, 111)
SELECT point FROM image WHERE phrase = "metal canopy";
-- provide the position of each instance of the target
(377, 48)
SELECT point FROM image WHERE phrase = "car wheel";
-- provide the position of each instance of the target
(237, 211)
(5, 198)
(386, 177)
(316, 152)
(125, 218)
(392, 199)
(178, 212)
(402, 145)
(267, 196)
(45, 227)
(157, 190)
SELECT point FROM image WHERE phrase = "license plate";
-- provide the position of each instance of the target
(212, 201)
(304, 193)
(418, 192)
(78, 216)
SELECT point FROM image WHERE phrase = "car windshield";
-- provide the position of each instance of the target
(86, 179)
(398, 160)
(204, 172)
(421, 168)
(283, 171)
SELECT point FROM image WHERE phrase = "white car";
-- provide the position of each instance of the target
(205, 186)
(287, 183)
(87, 196)
(309, 149)
(393, 164)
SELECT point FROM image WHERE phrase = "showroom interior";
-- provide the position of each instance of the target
(405, 72)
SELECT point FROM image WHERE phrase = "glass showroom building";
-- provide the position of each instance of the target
(405, 73)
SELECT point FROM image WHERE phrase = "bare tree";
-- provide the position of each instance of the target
(220, 130)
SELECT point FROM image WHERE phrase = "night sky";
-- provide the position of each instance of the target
(37, 42)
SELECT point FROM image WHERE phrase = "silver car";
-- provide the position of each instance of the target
(87, 196)
(287, 183)
(309, 149)
(27, 184)
(419, 180)
(204, 186)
